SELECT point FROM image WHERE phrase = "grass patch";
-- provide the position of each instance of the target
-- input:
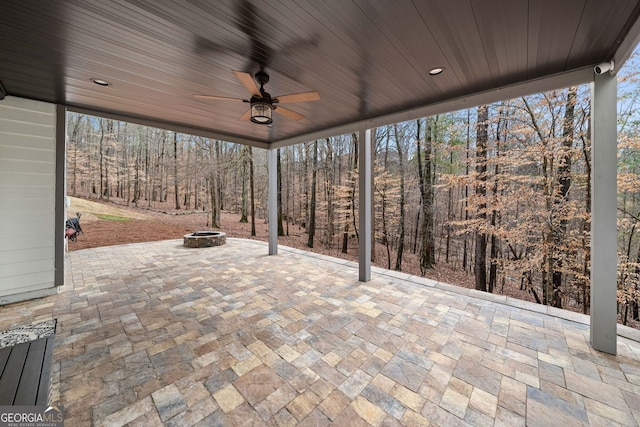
(112, 217)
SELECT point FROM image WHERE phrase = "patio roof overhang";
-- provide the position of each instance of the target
(369, 60)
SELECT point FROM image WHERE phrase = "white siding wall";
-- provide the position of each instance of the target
(27, 198)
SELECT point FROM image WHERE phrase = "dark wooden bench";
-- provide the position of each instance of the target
(25, 373)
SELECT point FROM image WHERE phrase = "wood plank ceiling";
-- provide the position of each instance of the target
(367, 58)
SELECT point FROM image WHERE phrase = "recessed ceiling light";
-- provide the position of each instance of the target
(435, 71)
(101, 82)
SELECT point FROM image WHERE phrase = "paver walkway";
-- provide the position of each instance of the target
(158, 334)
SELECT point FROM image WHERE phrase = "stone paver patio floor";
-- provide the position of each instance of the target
(158, 334)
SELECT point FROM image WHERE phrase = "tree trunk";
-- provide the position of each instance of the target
(564, 180)
(126, 178)
(148, 173)
(252, 194)
(635, 310)
(175, 170)
(190, 179)
(465, 256)
(288, 184)
(425, 179)
(385, 232)
(373, 199)
(586, 228)
(329, 181)
(136, 179)
(305, 179)
(352, 193)
(214, 202)
(102, 131)
(401, 221)
(312, 207)
(106, 191)
(243, 178)
(161, 166)
(449, 213)
(493, 256)
(198, 182)
(219, 177)
(279, 170)
(482, 140)
(213, 186)
(74, 138)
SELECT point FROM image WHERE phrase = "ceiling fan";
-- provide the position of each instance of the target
(262, 104)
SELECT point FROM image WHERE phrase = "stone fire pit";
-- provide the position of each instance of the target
(205, 239)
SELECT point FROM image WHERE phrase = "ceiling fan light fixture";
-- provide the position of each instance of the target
(261, 113)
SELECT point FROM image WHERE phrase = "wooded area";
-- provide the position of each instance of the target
(501, 192)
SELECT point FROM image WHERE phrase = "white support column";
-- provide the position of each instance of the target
(603, 213)
(273, 200)
(61, 192)
(364, 203)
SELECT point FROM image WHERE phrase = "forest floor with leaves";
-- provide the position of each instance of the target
(107, 223)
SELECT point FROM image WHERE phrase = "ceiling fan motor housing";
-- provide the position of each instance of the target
(265, 97)
(262, 77)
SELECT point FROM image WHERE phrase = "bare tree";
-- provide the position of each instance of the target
(252, 193)
(175, 170)
(481, 192)
(312, 205)
(425, 177)
(279, 179)
(401, 220)
(243, 178)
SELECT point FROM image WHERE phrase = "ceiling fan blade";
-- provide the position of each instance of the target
(247, 115)
(299, 97)
(217, 98)
(288, 113)
(247, 81)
